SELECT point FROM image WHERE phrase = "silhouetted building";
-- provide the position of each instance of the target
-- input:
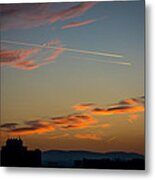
(15, 154)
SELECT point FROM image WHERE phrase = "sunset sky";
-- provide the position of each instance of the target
(72, 75)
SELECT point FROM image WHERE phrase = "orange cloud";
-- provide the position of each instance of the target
(74, 122)
(117, 110)
(59, 136)
(87, 136)
(27, 131)
(132, 101)
(105, 125)
(126, 106)
(32, 127)
(69, 122)
(77, 24)
(133, 117)
(81, 107)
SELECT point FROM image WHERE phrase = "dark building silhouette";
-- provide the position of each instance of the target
(15, 154)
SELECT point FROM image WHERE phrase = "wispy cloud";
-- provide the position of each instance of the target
(55, 54)
(19, 16)
(77, 24)
(9, 125)
(78, 120)
(133, 117)
(82, 107)
(105, 125)
(11, 56)
(88, 136)
(124, 106)
(72, 12)
(21, 58)
(32, 127)
(26, 65)
(64, 123)
(59, 136)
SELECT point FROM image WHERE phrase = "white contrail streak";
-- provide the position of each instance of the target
(101, 61)
(65, 49)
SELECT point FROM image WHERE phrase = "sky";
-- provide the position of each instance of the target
(72, 75)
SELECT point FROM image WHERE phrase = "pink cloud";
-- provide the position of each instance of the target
(21, 58)
(77, 24)
(26, 65)
(11, 56)
(72, 12)
(55, 54)
(34, 15)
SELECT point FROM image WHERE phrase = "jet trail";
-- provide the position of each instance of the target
(105, 61)
(65, 49)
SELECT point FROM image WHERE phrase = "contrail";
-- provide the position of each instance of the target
(65, 49)
(105, 61)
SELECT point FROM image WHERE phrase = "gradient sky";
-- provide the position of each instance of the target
(67, 99)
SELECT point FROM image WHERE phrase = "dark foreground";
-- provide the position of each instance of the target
(14, 154)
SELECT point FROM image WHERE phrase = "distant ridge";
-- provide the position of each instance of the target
(66, 158)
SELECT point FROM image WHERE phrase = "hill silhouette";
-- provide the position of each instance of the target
(59, 158)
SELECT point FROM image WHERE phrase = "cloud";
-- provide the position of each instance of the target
(80, 121)
(105, 125)
(81, 107)
(133, 117)
(33, 127)
(15, 16)
(77, 24)
(97, 126)
(72, 12)
(87, 136)
(20, 58)
(132, 101)
(59, 136)
(126, 106)
(117, 110)
(9, 125)
(11, 56)
(55, 54)
(26, 65)
(69, 122)
(19, 16)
